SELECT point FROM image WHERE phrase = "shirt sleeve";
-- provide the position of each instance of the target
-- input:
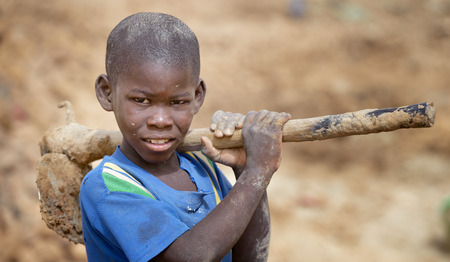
(142, 227)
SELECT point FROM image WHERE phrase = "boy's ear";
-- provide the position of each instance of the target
(103, 90)
(200, 93)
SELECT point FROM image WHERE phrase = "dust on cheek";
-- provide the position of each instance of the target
(133, 125)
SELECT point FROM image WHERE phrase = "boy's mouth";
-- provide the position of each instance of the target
(158, 141)
(159, 144)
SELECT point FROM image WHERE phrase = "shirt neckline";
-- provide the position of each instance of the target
(152, 182)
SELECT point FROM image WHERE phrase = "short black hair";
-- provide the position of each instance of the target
(151, 37)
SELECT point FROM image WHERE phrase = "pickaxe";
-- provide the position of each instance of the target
(68, 151)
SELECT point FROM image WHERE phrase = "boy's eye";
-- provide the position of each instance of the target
(141, 100)
(178, 102)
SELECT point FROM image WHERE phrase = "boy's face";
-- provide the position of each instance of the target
(154, 106)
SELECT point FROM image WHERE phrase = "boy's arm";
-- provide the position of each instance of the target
(222, 229)
(254, 242)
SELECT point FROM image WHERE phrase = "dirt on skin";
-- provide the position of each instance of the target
(363, 198)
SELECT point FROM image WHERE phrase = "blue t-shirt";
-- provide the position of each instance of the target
(130, 215)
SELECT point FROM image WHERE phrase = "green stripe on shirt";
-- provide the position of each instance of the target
(116, 184)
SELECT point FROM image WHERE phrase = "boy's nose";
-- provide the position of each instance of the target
(160, 118)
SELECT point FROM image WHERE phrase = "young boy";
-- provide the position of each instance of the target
(148, 202)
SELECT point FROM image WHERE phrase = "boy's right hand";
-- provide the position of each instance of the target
(262, 136)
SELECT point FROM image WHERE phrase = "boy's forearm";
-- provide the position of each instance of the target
(254, 243)
(217, 233)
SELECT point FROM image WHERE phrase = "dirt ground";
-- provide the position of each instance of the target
(363, 198)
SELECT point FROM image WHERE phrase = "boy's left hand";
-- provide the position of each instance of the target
(224, 124)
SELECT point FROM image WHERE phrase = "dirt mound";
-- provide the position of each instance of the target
(349, 199)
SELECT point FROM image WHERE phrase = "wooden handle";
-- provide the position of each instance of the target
(331, 126)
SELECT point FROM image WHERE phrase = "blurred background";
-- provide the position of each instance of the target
(363, 198)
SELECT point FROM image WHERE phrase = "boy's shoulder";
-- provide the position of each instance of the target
(92, 183)
(109, 176)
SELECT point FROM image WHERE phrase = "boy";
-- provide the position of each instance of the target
(147, 202)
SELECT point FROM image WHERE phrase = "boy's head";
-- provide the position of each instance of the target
(152, 85)
(151, 38)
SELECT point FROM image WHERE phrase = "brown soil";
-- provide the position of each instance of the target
(362, 198)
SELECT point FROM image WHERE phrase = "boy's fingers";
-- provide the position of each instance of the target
(281, 118)
(225, 124)
(286, 117)
(218, 133)
(231, 123)
(240, 122)
(208, 149)
(268, 117)
(250, 117)
(216, 119)
(261, 115)
(271, 117)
